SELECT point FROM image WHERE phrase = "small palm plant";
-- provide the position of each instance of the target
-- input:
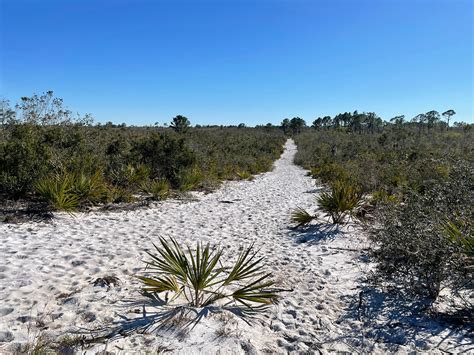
(158, 188)
(301, 217)
(343, 199)
(201, 278)
(461, 234)
(58, 192)
(89, 188)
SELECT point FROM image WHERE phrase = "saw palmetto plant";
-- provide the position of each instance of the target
(200, 277)
(301, 217)
(342, 200)
(58, 192)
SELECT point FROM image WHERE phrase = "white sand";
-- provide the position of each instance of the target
(47, 270)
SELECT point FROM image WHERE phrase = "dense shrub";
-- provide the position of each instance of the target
(420, 181)
(424, 243)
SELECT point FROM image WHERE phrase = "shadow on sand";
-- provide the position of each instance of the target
(392, 318)
(314, 233)
(172, 320)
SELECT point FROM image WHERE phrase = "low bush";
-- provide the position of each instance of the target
(58, 192)
(158, 188)
(342, 200)
(89, 188)
(200, 277)
(418, 247)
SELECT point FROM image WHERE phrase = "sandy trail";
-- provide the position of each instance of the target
(47, 271)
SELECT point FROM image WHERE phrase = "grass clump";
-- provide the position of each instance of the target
(343, 199)
(199, 276)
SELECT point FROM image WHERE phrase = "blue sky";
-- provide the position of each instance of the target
(226, 62)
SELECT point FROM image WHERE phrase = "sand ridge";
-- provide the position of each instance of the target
(47, 274)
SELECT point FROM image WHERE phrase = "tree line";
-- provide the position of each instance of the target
(370, 122)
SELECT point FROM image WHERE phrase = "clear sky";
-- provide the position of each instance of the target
(226, 62)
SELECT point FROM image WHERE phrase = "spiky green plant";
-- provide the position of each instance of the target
(58, 192)
(301, 217)
(199, 276)
(342, 200)
(244, 175)
(460, 233)
(89, 188)
(159, 188)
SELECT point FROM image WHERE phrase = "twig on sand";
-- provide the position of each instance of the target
(348, 249)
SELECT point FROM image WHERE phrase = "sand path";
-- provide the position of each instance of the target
(47, 271)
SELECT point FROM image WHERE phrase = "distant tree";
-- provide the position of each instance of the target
(398, 120)
(180, 124)
(6, 113)
(326, 121)
(241, 125)
(296, 124)
(317, 123)
(355, 124)
(48, 110)
(447, 115)
(419, 121)
(432, 118)
(465, 126)
(336, 121)
(285, 125)
(372, 122)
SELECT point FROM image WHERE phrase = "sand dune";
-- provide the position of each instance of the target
(47, 273)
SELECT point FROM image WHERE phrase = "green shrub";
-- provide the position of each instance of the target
(90, 189)
(342, 200)
(167, 156)
(58, 192)
(200, 277)
(158, 188)
(117, 194)
(330, 172)
(244, 175)
(424, 243)
(130, 176)
(191, 179)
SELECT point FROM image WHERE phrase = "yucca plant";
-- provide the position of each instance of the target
(342, 200)
(199, 276)
(58, 192)
(301, 217)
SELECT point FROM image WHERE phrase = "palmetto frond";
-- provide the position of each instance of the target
(301, 217)
(160, 284)
(200, 276)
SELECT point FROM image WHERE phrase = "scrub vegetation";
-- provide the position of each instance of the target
(418, 179)
(49, 154)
